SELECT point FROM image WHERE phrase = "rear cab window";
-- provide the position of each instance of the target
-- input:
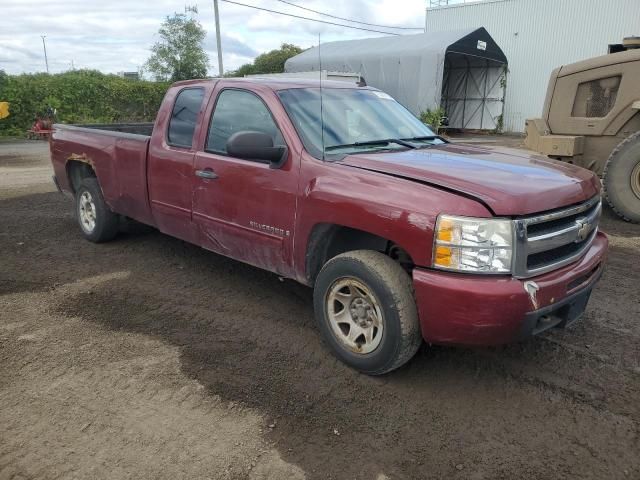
(184, 115)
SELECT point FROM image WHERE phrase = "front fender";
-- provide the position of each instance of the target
(399, 210)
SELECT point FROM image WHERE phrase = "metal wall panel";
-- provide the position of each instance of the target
(539, 35)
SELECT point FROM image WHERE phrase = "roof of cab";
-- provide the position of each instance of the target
(276, 83)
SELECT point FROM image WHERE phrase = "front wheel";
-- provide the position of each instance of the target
(366, 311)
(97, 222)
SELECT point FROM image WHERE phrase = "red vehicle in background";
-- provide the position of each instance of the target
(42, 123)
(402, 235)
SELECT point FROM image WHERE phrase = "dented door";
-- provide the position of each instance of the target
(244, 209)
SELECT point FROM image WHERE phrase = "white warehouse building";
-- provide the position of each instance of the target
(538, 36)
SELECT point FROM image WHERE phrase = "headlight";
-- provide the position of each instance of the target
(479, 245)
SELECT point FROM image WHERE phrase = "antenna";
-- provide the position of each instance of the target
(321, 106)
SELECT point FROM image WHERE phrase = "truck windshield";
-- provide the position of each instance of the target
(355, 120)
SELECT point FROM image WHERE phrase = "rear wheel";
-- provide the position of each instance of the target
(621, 179)
(97, 222)
(366, 312)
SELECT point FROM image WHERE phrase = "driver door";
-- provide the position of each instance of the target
(242, 208)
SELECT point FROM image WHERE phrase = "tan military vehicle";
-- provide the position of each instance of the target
(591, 117)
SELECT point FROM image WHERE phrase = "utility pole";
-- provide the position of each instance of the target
(44, 45)
(219, 42)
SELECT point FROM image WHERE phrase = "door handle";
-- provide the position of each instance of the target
(206, 173)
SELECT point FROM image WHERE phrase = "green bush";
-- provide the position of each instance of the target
(270, 62)
(80, 96)
(433, 118)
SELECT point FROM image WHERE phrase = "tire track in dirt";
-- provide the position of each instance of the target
(91, 403)
(253, 357)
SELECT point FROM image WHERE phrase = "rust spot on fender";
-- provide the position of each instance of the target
(81, 158)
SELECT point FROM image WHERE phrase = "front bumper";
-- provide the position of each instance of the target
(464, 309)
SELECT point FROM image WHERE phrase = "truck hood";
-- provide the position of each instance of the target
(510, 182)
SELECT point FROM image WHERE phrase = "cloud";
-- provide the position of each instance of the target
(116, 35)
(231, 45)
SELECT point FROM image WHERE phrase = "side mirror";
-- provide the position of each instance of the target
(251, 145)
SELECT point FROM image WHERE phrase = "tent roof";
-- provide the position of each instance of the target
(459, 41)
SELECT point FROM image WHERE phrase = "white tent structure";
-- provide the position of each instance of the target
(463, 71)
(538, 36)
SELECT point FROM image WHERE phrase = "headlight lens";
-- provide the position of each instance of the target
(480, 245)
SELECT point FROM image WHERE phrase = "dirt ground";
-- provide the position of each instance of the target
(147, 357)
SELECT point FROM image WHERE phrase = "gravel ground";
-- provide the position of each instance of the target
(151, 358)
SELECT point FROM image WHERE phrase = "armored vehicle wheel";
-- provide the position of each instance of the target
(621, 179)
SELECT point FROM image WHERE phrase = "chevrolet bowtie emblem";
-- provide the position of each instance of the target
(584, 229)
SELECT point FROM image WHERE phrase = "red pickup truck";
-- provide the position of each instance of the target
(403, 235)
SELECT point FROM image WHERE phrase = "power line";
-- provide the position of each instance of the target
(347, 19)
(307, 18)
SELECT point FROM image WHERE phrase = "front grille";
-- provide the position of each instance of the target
(542, 259)
(551, 240)
(536, 229)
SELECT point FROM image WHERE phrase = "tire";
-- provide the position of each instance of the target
(367, 287)
(621, 179)
(97, 222)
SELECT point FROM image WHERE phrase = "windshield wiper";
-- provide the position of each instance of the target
(385, 141)
(428, 138)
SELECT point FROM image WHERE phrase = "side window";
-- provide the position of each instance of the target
(184, 116)
(596, 99)
(236, 111)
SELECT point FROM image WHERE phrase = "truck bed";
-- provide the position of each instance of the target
(117, 153)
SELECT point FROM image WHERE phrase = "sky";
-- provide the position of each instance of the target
(116, 35)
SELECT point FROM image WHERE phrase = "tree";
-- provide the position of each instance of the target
(246, 69)
(270, 62)
(179, 55)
